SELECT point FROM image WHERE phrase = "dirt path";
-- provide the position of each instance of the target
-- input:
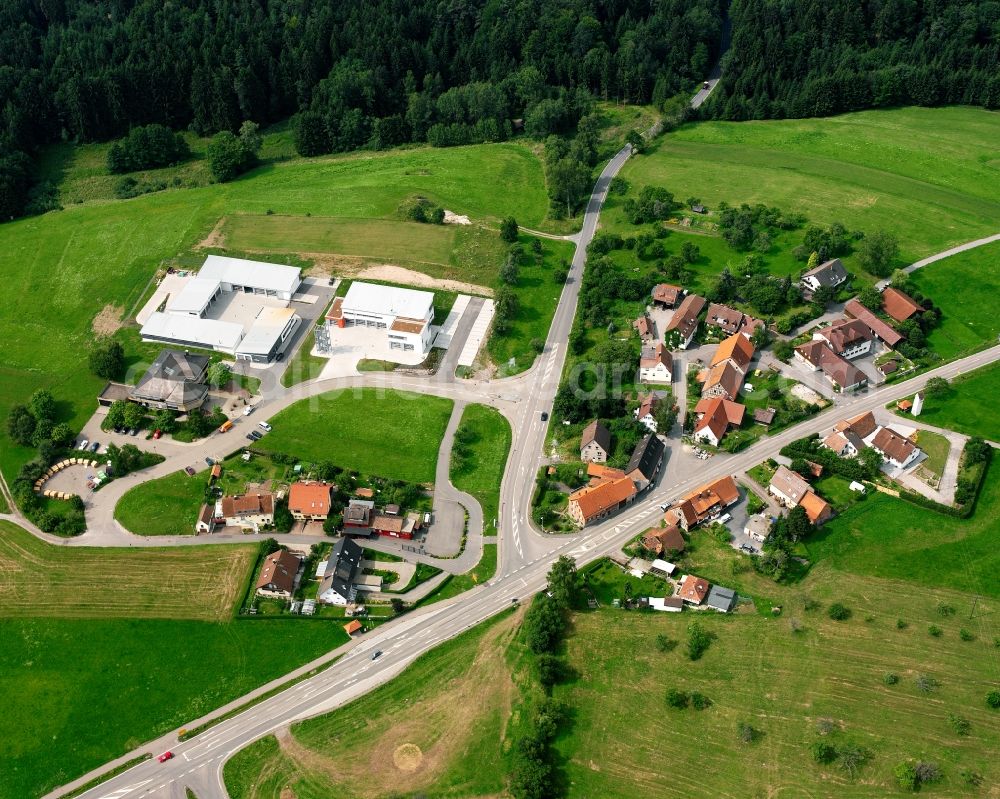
(400, 274)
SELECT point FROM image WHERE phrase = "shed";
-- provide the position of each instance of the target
(721, 599)
(353, 626)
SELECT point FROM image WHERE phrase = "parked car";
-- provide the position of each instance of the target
(264, 426)
(279, 357)
(256, 435)
(725, 517)
(134, 431)
(95, 446)
(376, 654)
(157, 433)
(165, 757)
(83, 444)
(545, 416)
(248, 410)
(118, 430)
(189, 470)
(250, 436)
(209, 461)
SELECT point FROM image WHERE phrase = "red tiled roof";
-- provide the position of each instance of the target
(310, 499)
(685, 318)
(594, 500)
(693, 589)
(876, 325)
(898, 305)
(666, 293)
(738, 349)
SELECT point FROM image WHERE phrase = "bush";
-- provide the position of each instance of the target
(890, 678)
(927, 772)
(147, 147)
(906, 775)
(677, 699)
(665, 644)
(746, 733)
(959, 724)
(823, 752)
(934, 631)
(993, 700)
(901, 624)
(925, 683)
(965, 635)
(838, 612)
(698, 641)
(700, 701)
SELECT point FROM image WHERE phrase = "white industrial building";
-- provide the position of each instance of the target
(189, 317)
(407, 315)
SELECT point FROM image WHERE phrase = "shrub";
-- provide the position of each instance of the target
(700, 701)
(901, 624)
(935, 631)
(945, 609)
(959, 724)
(906, 775)
(823, 752)
(993, 700)
(746, 733)
(890, 678)
(925, 683)
(965, 635)
(971, 778)
(699, 640)
(677, 699)
(852, 758)
(927, 772)
(665, 644)
(825, 726)
(838, 612)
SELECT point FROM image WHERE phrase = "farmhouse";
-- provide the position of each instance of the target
(191, 317)
(600, 499)
(703, 503)
(665, 295)
(896, 449)
(848, 338)
(878, 328)
(357, 516)
(817, 509)
(595, 443)
(253, 510)
(655, 364)
(277, 575)
(715, 416)
(684, 322)
(663, 539)
(176, 380)
(846, 444)
(343, 565)
(644, 413)
(723, 380)
(737, 350)
(406, 315)
(206, 519)
(644, 327)
(828, 274)
(731, 321)
(850, 436)
(899, 305)
(309, 501)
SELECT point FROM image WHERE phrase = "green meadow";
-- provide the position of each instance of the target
(482, 458)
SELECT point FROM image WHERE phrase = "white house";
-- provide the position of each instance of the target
(848, 339)
(670, 604)
(252, 511)
(829, 274)
(342, 567)
(407, 315)
(897, 450)
(655, 364)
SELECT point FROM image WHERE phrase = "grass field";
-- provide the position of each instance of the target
(963, 286)
(375, 431)
(165, 506)
(937, 448)
(42, 580)
(104, 649)
(432, 731)
(929, 175)
(459, 583)
(963, 409)
(69, 265)
(483, 468)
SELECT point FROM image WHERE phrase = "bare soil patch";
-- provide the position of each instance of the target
(407, 757)
(108, 320)
(399, 274)
(215, 238)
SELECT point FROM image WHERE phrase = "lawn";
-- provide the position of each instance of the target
(165, 506)
(962, 409)
(42, 580)
(837, 491)
(303, 365)
(926, 174)
(888, 538)
(459, 583)
(104, 649)
(485, 458)
(69, 265)
(937, 447)
(968, 318)
(434, 730)
(383, 432)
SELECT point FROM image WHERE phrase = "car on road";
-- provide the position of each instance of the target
(83, 445)
(189, 470)
(209, 461)
(665, 505)
(165, 757)
(256, 435)
(95, 446)
(248, 410)
(545, 416)
(157, 433)
(376, 654)
(264, 426)
(705, 85)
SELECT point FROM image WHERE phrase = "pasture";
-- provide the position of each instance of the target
(962, 409)
(42, 580)
(483, 459)
(382, 432)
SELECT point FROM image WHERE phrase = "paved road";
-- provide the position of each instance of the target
(969, 245)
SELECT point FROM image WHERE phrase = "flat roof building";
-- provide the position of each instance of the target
(192, 331)
(407, 315)
(251, 277)
(269, 331)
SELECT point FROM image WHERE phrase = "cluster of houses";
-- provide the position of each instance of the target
(308, 501)
(609, 490)
(851, 436)
(340, 575)
(688, 589)
(718, 410)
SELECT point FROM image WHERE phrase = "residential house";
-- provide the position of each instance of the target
(721, 599)
(600, 499)
(897, 450)
(878, 328)
(175, 381)
(644, 327)
(394, 525)
(723, 380)
(644, 465)
(655, 364)
(848, 339)
(343, 565)
(843, 375)
(253, 510)
(595, 443)
(737, 350)
(206, 519)
(685, 320)
(899, 305)
(703, 503)
(644, 413)
(788, 487)
(277, 575)
(665, 295)
(758, 527)
(693, 589)
(863, 425)
(817, 509)
(715, 416)
(764, 416)
(358, 516)
(309, 501)
(663, 539)
(829, 274)
(727, 319)
(846, 444)
(353, 626)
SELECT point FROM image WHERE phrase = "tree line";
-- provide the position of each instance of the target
(373, 73)
(812, 59)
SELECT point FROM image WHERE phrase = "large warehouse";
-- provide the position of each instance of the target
(405, 314)
(231, 305)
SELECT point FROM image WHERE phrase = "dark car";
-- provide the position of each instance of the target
(189, 470)
(376, 654)
(705, 85)
(95, 446)
(279, 357)
(256, 434)
(209, 461)
(250, 437)
(545, 416)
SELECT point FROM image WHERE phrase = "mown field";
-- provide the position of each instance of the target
(69, 265)
(374, 431)
(165, 506)
(794, 674)
(929, 175)
(39, 579)
(104, 649)
(483, 458)
(963, 408)
(964, 287)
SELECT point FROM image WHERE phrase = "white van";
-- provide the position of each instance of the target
(264, 426)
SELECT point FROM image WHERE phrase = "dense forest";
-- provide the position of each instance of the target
(810, 58)
(364, 72)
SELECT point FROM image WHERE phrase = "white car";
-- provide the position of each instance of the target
(83, 444)
(264, 426)
(248, 410)
(725, 517)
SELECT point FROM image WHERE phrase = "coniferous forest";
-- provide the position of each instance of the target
(376, 73)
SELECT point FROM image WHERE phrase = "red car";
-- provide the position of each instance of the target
(157, 434)
(165, 757)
